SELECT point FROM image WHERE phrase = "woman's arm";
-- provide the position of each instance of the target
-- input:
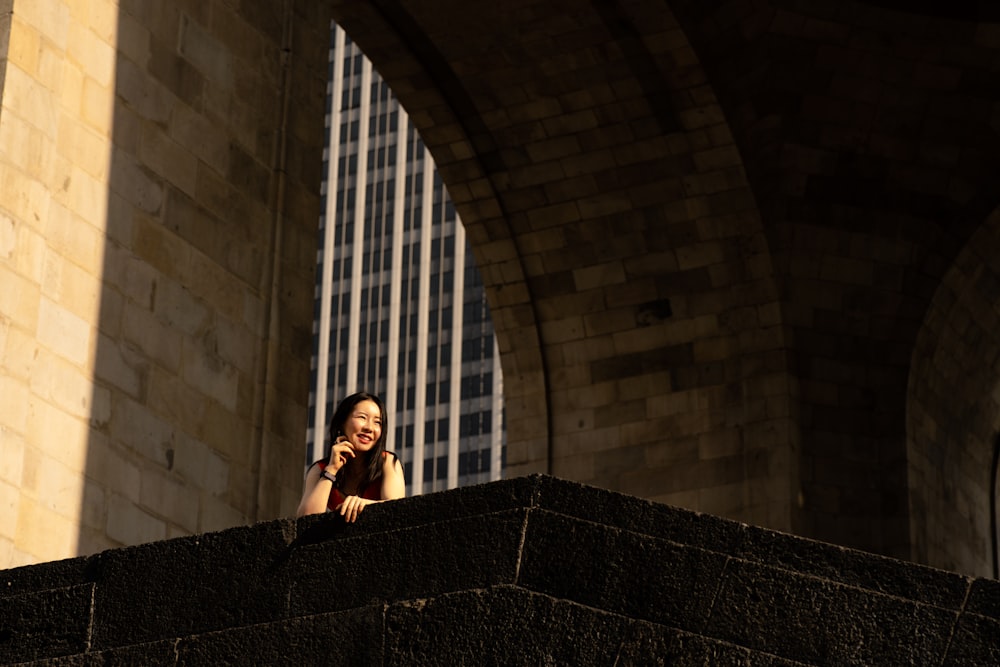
(393, 484)
(316, 493)
(393, 487)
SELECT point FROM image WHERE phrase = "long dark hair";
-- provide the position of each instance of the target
(373, 457)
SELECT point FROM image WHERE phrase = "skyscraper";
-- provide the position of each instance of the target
(400, 308)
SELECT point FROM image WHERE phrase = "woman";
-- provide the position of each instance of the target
(357, 470)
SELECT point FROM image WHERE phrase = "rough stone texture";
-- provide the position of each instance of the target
(740, 256)
(534, 570)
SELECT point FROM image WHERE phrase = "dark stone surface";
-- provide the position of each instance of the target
(856, 568)
(191, 585)
(638, 515)
(57, 574)
(823, 622)
(532, 570)
(45, 624)
(627, 573)
(976, 641)
(450, 555)
(353, 637)
(153, 653)
(984, 598)
(507, 625)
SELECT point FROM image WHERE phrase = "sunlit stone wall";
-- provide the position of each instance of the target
(158, 201)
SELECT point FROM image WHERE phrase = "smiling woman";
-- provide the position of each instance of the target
(356, 470)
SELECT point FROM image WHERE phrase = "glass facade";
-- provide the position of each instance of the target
(400, 309)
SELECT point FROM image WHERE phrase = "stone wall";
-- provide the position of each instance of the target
(158, 198)
(528, 571)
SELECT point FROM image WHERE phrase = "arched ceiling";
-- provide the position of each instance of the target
(709, 231)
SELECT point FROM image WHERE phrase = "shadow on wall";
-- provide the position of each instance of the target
(184, 320)
(953, 414)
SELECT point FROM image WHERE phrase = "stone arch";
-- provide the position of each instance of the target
(872, 169)
(953, 411)
(435, 103)
(631, 283)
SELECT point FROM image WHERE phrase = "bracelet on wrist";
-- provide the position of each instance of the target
(325, 474)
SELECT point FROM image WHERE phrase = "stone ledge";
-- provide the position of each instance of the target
(522, 570)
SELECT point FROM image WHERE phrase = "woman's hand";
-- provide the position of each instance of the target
(352, 506)
(341, 452)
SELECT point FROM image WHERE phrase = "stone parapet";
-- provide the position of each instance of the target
(533, 570)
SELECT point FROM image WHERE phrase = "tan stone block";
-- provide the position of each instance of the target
(728, 500)
(121, 366)
(85, 196)
(70, 91)
(22, 144)
(19, 299)
(218, 515)
(167, 158)
(112, 306)
(205, 371)
(43, 534)
(136, 279)
(51, 63)
(192, 130)
(180, 308)
(92, 541)
(132, 38)
(28, 255)
(65, 333)
(63, 384)
(129, 524)
(168, 498)
(54, 485)
(717, 444)
(714, 349)
(23, 197)
(665, 405)
(57, 434)
(227, 295)
(140, 430)
(84, 147)
(561, 331)
(75, 287)
(96, 56)
(97, 104)
(18, 351)
(223, 431)
(14, 407)
(580, 468)
(51, 19)
(603, 321)
(30, 100)
(202, 467)
(9, 232)
(236, 345)
(150, 336)
(12, 448)
(10, 555)
(24, 45)
(10, 499)
(113, 466)
(161, 248)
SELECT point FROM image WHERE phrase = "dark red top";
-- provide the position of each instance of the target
(369, 490)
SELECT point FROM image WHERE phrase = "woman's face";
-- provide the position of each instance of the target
(363, 426)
